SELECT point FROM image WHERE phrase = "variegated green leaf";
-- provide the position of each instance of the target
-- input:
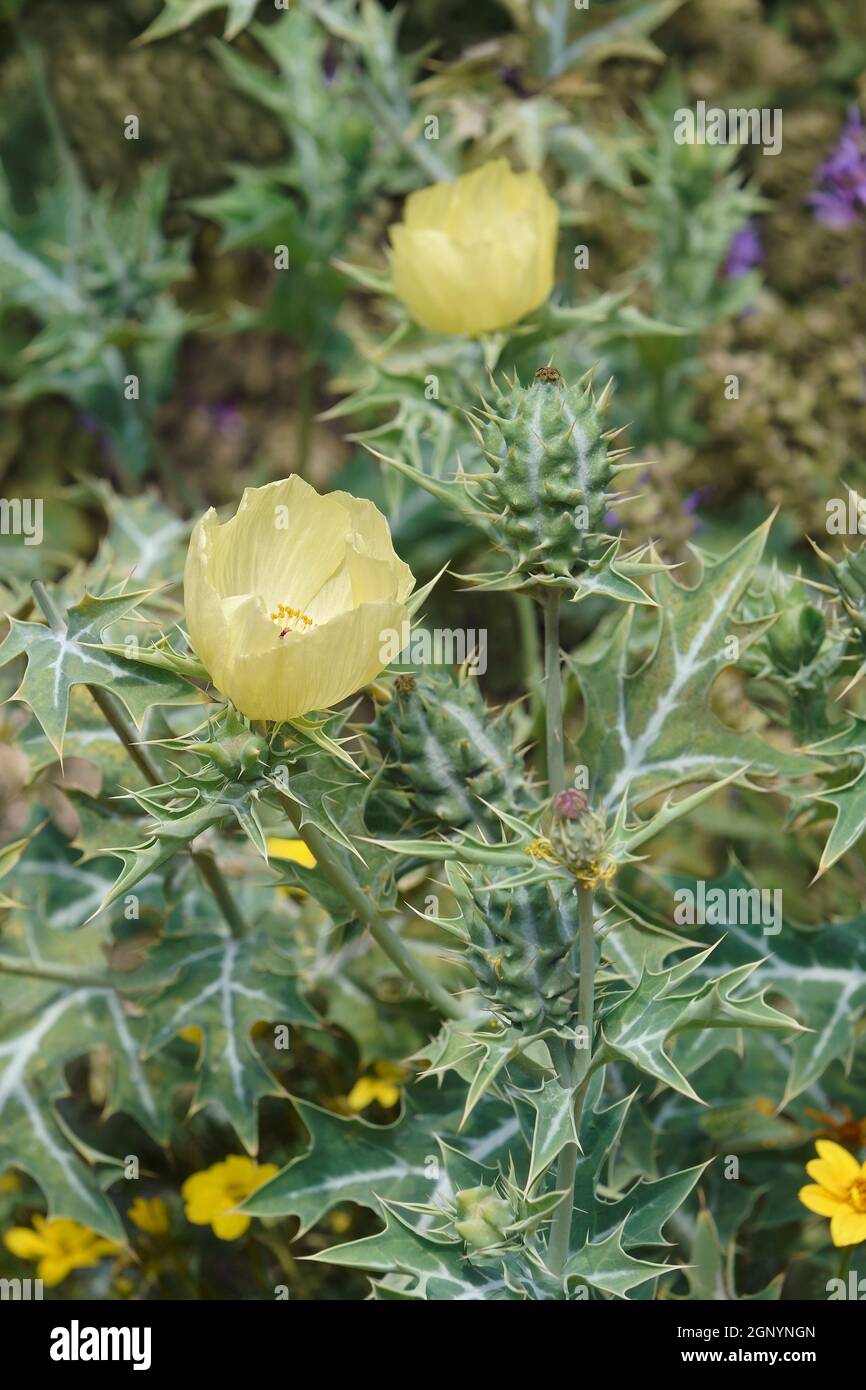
(222, 986)
(605, 1266)
(640, 1027)
(58, 660)
(649, 729)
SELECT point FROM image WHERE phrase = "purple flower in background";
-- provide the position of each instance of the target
(840, 192)
(226, 417)
(330, 62)
(744, 252)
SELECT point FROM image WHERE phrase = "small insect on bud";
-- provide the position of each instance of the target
(404, 685)
(551, 374)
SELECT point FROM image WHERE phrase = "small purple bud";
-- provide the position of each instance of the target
(570, 804)
(744, 252)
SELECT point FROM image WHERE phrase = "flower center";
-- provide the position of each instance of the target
(290, 619)
(857, 1195)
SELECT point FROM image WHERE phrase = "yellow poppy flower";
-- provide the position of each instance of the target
(58, 1247)
(478, 254)
(150, 1214)
(290, 605)
(380, 1085)
(839, 1191)
(211, 1196)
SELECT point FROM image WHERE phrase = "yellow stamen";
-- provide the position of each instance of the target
(290, 619)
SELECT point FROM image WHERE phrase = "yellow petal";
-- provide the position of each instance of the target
(150, 1214)
(387, 1094)
(26, 1244)
(53, 1269)
(296, 851)
(362, 1094)
(329, 558)
(478, 254)
(848, 1227)
(230, 1225)
(840, 1163)
(817, 1199)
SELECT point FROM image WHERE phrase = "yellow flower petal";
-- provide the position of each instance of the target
(150, 1214)
(54, 1269)
(817, 1199)
(328, 558)
(826, 1176)
(26, 1244)
(296, 851)
(362, 1094)
(843, 1165)
(848, 1227)
(231, 1225)
(478, 254)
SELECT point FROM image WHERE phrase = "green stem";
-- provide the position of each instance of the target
(573, 1071)
(533, 676)
(553, 694)
(213, 877)
(845, 1265)
(115, 715)
(362, 904)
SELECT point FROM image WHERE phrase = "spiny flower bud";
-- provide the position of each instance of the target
(796, 637)
(445, 752)
(577, 835)
(521, 947)
(483, 1217)
(553, 473)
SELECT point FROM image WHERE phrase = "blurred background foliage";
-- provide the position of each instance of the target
(154, 257)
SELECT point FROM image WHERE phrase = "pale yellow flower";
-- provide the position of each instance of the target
(839, 1191)
(58, 1247)
(150, 1214)
(212, 1195)
(478, 254)
(289, 605)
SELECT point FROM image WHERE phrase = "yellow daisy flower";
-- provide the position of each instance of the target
(58, 1247)
(839, 1191)
(211, 1196)
(150, 1214)
(380, 1085)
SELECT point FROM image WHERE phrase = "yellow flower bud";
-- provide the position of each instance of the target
(478, 254)
(288, 604)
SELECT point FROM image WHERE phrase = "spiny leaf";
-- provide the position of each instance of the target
(653, 728)
(70, 656)
(223, 986)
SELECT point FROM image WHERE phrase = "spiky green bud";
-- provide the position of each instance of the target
(483, 1217)
(444, 751)
(521, 948)
(553, 474)
(577, 834)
